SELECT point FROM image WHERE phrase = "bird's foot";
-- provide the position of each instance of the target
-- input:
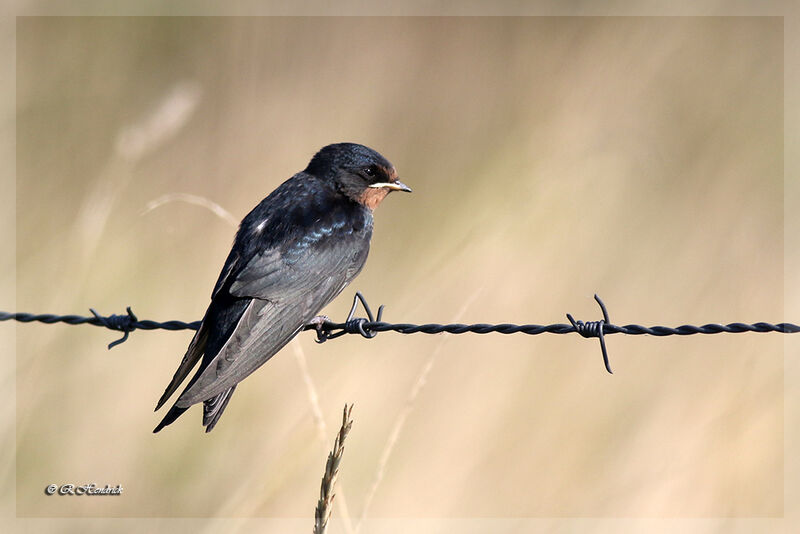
(318, 324)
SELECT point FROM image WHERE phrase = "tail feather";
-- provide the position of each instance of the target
(213, 408)
(172, 415)
(218, 325)
(196, 349)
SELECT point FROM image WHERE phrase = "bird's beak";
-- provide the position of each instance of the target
(393, 186)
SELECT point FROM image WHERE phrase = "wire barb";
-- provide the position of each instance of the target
(359, 325)
(124, 323)
(594, 329)
(351, 325)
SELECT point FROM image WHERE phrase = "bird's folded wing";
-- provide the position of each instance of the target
(291, 275)
(293, 288)
(265, 327)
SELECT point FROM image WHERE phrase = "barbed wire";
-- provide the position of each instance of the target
(124, 323)
(368, 327)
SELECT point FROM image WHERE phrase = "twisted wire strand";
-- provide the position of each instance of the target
(370, 326)
(108, 322)
(558, 328)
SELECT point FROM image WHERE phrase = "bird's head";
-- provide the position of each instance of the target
(359, 172)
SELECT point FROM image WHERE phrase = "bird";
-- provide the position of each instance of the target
(291, 256)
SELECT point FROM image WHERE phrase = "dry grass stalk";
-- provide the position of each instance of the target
(323, 511)
(316, 410)
(196, 200)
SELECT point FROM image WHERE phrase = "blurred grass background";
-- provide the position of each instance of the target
(551, 158)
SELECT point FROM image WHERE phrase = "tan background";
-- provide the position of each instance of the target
(551, 158)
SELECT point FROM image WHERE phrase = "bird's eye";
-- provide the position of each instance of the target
(371, 171)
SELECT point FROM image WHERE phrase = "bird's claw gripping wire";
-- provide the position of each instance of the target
(322, 325)
(357, 325)
(124, 323)
(594, 329)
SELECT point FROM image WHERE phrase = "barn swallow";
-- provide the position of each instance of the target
(292, 255)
